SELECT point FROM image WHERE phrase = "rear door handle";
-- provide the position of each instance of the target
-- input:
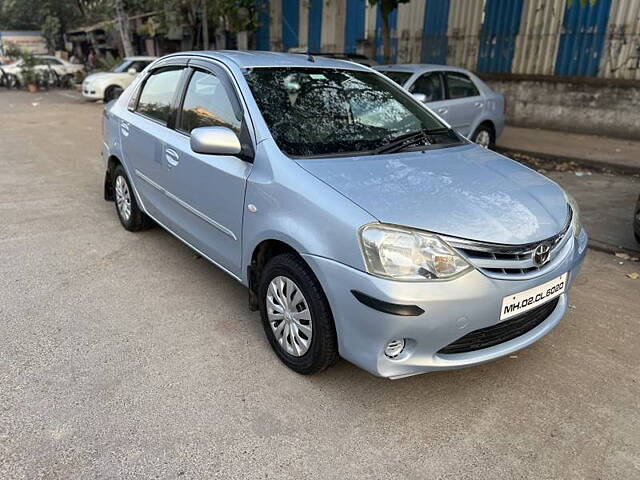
(442, 110)
(172, 157)
(124, 128)
(479, 104)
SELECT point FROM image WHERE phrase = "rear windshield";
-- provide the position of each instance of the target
(323, 112)
(399, 77)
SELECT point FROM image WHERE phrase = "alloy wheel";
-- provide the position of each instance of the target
(123, 198)
(483, 138)
(289, 316)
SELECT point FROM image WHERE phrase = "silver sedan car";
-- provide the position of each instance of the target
(362, 225)
(457, 95)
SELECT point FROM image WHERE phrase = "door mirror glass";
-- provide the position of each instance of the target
(132, 71)
(215, 141)
(421, 97)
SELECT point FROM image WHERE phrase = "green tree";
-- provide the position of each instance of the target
(386, 8)
(52, 16)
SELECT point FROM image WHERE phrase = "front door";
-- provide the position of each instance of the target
(207, 191)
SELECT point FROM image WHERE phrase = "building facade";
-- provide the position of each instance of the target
(567, 38)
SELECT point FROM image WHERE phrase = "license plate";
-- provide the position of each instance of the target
(521, 302)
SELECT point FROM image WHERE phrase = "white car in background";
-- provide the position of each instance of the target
(59, 66)
(109, 85)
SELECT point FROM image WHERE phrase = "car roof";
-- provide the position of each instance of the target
(140, 57)
(257, 59)
(419, 67)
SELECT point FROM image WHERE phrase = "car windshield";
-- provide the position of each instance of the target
(323, 112)
(398, 77)
(123, 67)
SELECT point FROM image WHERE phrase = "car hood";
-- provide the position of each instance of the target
(467, 192)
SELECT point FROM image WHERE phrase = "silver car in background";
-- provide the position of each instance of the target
(361, 224)
(457, 95)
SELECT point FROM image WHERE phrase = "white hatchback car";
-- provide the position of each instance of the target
(59, 66)
(109, 85)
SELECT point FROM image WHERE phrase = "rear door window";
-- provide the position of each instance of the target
(430, 85)
(157, 94)
(460, 85)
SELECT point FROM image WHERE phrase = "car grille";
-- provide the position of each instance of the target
(501, 332)
(509, 261)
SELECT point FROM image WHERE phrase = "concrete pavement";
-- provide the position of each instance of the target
(125, 356)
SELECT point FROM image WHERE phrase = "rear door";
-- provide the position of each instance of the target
(207, 191)
(464, 103)
(143, 130)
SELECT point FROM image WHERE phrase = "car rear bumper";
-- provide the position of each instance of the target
(452, 309)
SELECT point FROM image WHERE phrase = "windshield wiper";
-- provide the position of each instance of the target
(410, 139)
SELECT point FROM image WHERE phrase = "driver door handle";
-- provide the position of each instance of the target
(124, 128)
(442, 110)
(172, 157)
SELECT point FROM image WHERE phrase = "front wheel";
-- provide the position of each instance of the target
(112, 93)
(484, 136)
(296, 315)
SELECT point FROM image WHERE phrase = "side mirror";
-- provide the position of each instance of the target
(421, 97)
(132, 71)
(215, 141)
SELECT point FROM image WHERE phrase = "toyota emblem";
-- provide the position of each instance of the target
(541, 254)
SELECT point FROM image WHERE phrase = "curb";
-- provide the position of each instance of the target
(612, 249)
(600, 165)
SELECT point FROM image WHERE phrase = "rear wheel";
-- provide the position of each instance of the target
(296, 315)
(129, 213)
(484, 136)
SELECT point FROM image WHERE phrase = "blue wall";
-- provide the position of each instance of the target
(354, 26)
(498, 35)
(393, 21)
(262, 34)
(582, 39)
(434, 39)
(290, 23)
(315, 25)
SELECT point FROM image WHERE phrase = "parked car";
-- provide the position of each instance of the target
(108, 86)
(636, 220)
(361, 224)
(60, 67)
(457, 95)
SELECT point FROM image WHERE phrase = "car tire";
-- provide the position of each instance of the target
(322, 347)
(127, 209)
(112, 93)
(484, 136)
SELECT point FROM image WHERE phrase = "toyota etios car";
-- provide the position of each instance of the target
(361, 223)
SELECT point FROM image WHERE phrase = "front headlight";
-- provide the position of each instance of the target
(575, 214)
(410, 255)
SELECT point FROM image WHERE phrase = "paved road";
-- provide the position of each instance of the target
(124, 356)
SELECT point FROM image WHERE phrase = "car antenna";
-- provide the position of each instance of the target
(310, 57)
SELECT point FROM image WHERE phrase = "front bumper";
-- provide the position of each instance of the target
(452, 309)
(92, 92)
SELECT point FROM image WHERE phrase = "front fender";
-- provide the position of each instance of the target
(296, 208)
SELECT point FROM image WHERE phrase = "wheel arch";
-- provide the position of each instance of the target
(112, 163)
(261, 253)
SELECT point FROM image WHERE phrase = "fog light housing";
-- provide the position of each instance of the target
(394, 348)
